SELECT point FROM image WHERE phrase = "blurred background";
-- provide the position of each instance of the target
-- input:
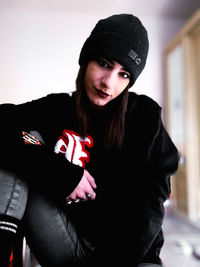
(40, 42)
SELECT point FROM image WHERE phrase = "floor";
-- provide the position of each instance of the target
(182, 243)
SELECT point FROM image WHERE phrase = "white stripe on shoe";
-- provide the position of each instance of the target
(8, 223)
(8, 226)
(8, 229)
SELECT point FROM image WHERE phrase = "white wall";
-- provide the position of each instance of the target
(39, 51)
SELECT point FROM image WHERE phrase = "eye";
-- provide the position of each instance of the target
(103, 63)
(125, 75)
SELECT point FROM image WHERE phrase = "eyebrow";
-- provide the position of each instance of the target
(113, 62)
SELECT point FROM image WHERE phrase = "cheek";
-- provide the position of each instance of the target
(126, 83)
(90, 78)
(89, 85)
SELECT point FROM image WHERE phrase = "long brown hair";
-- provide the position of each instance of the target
(115, 129)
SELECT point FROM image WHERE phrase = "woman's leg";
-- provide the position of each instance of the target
(13, 199)
(50, 234)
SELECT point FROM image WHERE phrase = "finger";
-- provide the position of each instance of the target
(73, 195)
(90, 179)
(91, 195)
(82, 196)
(73, 201)
(80, 193)
(69, 202)
(77, 200)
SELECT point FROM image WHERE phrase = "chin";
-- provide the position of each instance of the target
(100, 103)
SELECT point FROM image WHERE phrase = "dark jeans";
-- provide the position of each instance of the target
(53, 239)
(13, 195)
(49, 233)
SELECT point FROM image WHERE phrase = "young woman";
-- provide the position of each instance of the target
(90, 189)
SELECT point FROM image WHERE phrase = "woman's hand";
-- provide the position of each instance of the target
(84, 190)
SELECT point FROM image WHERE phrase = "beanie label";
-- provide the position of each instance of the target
(134, 56)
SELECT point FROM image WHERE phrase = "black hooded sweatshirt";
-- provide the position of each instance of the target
(133, 182)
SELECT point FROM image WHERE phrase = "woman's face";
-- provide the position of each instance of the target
(104, 81)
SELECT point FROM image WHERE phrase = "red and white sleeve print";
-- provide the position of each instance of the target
(73, 146)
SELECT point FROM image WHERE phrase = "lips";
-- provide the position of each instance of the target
(102, 94)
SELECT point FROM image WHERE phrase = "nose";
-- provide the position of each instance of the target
(108, 80)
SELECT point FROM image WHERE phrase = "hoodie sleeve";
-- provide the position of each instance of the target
(162, 163)
(37, 164)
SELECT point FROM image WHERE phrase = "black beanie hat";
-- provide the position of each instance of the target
(121, 38)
